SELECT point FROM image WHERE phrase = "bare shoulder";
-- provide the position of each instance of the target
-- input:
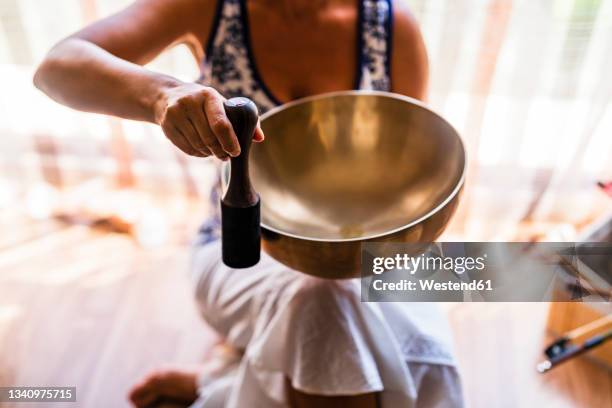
(197, 15)
(404, 23)
(409, 65)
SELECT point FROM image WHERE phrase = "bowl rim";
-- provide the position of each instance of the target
(391, 95)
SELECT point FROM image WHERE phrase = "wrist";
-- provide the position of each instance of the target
(158, 100)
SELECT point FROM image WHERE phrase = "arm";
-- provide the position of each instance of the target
(98, 69)
(299, 399)
(409, 65)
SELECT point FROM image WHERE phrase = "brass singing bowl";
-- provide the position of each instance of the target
(342, 168)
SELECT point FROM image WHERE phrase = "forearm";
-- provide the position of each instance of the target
(79, 74)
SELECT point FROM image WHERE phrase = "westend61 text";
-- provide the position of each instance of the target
(431, 285)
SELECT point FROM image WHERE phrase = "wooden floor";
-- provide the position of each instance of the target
(498, 346)
(92, 310)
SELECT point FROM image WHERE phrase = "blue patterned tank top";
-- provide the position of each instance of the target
(229, 66)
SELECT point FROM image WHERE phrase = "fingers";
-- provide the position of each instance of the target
(201, 143)
(179, 140)
(184, 118)
(201, 134)
(198, 131)
(195, 121)
(258, 136)
(219, 124)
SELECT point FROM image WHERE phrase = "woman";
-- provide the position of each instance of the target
(303, 342)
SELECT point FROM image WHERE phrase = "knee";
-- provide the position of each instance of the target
(322, 295)
(204, 260)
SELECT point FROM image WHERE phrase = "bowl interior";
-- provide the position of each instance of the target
(347, 166)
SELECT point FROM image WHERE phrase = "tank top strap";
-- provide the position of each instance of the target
(376, 44)
(228, 64)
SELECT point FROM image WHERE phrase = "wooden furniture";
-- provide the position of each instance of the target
(595, 276)
(565, 316)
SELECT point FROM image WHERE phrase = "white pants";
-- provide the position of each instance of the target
(317, 334)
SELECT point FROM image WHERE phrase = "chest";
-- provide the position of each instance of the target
(302, 56)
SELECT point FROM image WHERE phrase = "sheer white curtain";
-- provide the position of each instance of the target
(528, 85)
(526, 82)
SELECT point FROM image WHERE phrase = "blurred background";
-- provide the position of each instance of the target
(96, 213)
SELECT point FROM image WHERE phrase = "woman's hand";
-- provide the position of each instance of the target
(193, 118)
(100, 69)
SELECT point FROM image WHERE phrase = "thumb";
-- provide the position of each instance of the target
(258, 136)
